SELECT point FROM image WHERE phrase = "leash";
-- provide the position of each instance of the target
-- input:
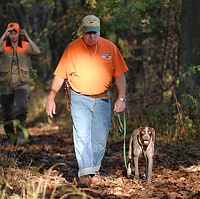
(122, 129)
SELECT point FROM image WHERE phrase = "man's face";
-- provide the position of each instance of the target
(91, 38)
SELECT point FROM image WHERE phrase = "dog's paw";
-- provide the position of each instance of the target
(129, 170)
(148, 181)
(137, 177)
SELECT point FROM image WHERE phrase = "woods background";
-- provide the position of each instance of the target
(157, 38)
(160, 43)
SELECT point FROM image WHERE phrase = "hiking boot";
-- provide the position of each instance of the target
(13, 139)
(5, 141)
(85, 181)
(96, 179)
(22, 138)
(21, 141)
(9, 139)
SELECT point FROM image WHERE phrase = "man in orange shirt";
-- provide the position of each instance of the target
(89, 63)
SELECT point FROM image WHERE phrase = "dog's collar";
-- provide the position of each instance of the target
(145, 144)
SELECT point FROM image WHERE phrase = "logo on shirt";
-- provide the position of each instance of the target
(106, 56)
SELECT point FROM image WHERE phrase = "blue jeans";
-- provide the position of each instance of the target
(91, 124)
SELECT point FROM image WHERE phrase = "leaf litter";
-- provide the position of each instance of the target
(48, 165)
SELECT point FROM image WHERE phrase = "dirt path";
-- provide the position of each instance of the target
(50, 156)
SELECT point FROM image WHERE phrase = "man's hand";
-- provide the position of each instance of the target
(55, 87)
(50, 107)
(119, 106)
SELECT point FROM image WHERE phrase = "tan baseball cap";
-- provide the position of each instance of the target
(91, 23)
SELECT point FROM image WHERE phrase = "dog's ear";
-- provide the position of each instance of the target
(141, 128)
(153, 133)
(151, 129)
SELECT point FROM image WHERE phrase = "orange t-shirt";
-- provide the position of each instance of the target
(87, 73)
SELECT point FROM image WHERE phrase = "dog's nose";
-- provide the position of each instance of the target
(146, 137)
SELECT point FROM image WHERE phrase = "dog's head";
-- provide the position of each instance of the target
(146, 135)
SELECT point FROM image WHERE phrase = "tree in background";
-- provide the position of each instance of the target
(189, 88)
(190, 45)
(146, 31)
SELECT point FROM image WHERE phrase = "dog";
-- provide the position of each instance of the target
(142, 141)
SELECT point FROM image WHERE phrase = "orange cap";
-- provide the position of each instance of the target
(14, 25)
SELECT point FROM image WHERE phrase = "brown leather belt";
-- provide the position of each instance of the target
(104, 95)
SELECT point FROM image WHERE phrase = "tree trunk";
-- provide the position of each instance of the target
(190, 46)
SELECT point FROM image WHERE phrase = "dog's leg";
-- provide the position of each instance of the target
(149, 172)
(129, 169)
(149, 153)
(136, 158)
(130, 151)
(147, 164)
(136, 151)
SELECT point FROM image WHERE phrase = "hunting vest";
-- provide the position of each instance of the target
(17, 59)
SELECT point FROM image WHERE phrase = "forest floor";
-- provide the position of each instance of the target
(47, 168)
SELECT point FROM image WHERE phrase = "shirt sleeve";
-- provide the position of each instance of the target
(61, 69)
(119, 64)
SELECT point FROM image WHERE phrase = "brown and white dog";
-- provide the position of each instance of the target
(142, 141)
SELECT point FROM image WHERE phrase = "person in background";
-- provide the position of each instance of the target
(14, 78)
(89, 63)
